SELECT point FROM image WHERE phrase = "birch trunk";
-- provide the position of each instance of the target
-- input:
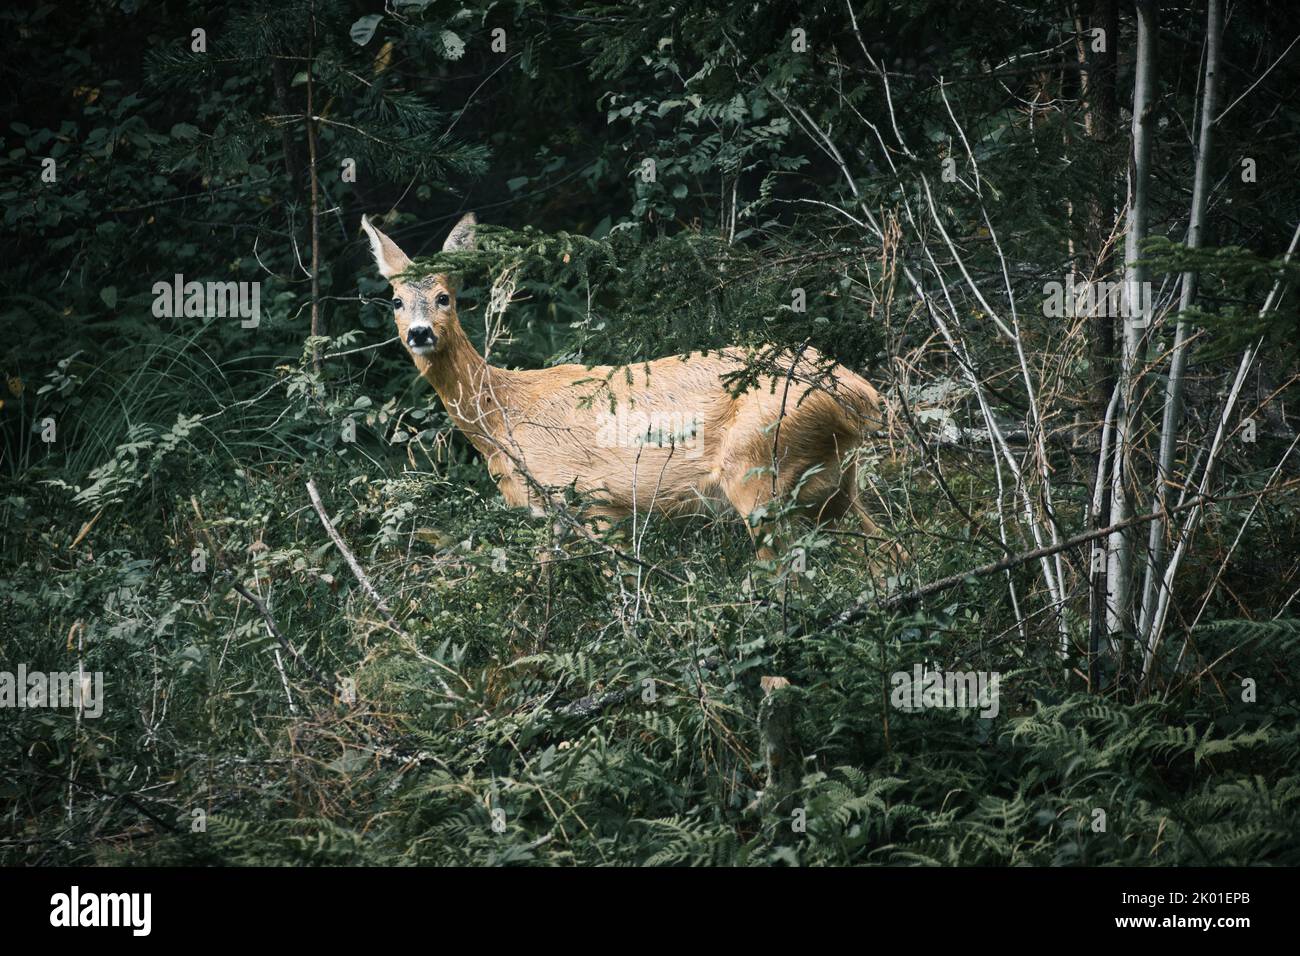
(1136, 317)
(1173, 411)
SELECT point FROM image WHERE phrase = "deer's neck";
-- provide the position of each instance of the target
(472, 391)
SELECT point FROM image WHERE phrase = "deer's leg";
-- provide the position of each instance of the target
(747, 495)
(565, 528)
(832, 496)
(882, 556)
(589, 526)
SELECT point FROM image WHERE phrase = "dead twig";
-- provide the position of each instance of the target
(348, 556)
(326, 682)
(857, 611)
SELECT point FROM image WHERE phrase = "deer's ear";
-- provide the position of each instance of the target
(462, 234)
(390, 259)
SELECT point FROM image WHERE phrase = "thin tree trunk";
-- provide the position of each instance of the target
(1099, 120)
(1165, 593)
(780, 749)
(280, 84)
(1173, 412)
(1119, 561)
(317, 323)
(1101, 109)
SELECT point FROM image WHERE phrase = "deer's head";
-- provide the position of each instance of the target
(424, 309)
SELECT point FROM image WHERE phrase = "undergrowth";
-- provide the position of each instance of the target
(589, 710)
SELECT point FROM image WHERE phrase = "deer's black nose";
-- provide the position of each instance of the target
(420, 337)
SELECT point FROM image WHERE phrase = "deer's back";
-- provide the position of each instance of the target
(668, 434)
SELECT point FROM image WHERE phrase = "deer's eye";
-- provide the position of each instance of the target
(443, 300)
(397, 303)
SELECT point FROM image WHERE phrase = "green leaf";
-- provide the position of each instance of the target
(109, 296)
(364, 28)
(452, 45)
(351, 761)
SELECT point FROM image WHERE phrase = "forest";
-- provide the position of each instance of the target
(266, 600)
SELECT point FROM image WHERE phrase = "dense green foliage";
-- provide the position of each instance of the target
(479, 731)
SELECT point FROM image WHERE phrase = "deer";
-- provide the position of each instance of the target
(665, 436)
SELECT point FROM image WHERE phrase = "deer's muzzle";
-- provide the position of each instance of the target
(420, 338)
